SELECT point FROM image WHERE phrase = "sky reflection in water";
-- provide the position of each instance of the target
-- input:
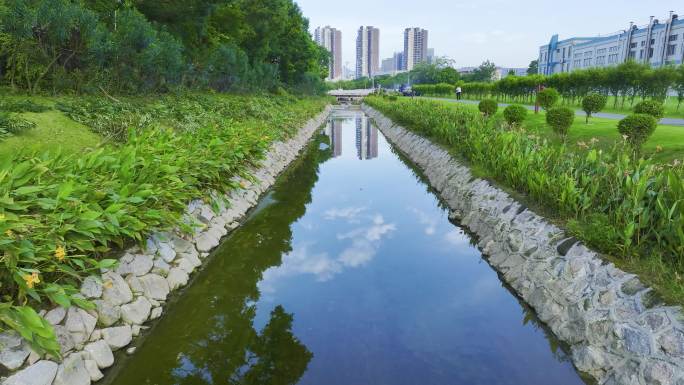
(349, 273)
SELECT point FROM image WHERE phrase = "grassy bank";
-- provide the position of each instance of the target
(670, 104)
(666, 144)
(628, 209)
(114, 172)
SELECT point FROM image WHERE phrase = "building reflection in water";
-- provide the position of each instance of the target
(366, 139)
(334, 132)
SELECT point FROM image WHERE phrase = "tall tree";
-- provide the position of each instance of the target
(533, 68)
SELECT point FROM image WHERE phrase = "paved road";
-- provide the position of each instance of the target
(606, 115)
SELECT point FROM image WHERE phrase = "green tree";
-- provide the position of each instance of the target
(533, 68)
(515, 114)
(560, 119)
(637, 128)
(547, 98)
(650, 107)
(679, 85)
(593, 103)
(485, 72)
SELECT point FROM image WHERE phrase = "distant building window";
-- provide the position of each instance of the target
(650, 52)
(578, 54)
(652, 41)
(673, 37)
(671, 49)
(641, 54)
(633, 45)
(587, 62)
(577, 63)
(588, 54)
(600, 60)
(632, 54)
(613, 58)
(613, 49)
(601, 51)
(643, 43)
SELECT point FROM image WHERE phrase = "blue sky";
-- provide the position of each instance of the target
(506, 32)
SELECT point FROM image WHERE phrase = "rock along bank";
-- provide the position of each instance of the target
(135, 293)
(617, 331)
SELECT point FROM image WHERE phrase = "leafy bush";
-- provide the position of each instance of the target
(12, 125)
(547, 98)
(488, 107)
(392, 98)
(25, 105)
(515, 114)
(593, 103)
(650, 107)
(61, 214)
(560, 119)
(637, 128)
(639, 200)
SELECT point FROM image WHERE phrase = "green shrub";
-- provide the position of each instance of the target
(560, 119)
(547, 98)
(637, 128)
(515, 114)
(62, 214)
(25, 105)
(488, 107)
(650, 107)
(638, 201)
(593, 103)
(10, 124)
(444, 89)
(392, 98)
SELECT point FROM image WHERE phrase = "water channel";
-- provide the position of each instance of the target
(348, 272)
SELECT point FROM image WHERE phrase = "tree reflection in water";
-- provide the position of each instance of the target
(208, 336)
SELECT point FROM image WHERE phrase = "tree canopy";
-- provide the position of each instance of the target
(146, 45)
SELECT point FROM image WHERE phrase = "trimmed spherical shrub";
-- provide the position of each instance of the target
(515, 114)
(488, 107)
(593, 103)
(650, 107)
(560, 119)
(547, 98)
(637, 128)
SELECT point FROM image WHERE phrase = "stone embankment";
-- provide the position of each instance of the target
(617, 331)
(135, 293)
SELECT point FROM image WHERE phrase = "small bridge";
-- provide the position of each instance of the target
(349, 96)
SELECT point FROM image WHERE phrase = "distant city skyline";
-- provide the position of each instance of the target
(507, 33)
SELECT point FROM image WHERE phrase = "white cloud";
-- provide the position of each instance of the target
(350, 214)
(430, 222)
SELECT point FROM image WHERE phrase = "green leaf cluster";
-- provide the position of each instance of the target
(62, 216)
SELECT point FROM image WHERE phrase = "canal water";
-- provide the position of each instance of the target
(348, 272)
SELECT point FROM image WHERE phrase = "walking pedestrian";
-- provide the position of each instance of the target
(458, 93)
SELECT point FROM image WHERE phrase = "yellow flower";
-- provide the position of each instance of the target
(659, 148)
(2, 217)
(60, 253)
(31, 279)
(9, 233)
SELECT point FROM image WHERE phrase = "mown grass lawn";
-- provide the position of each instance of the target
(669, 138)
(671, 110)
(54, 131)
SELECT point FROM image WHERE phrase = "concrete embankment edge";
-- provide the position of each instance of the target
(134, 294)
(617, 331)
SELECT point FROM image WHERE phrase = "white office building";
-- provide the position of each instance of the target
(658, 43)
